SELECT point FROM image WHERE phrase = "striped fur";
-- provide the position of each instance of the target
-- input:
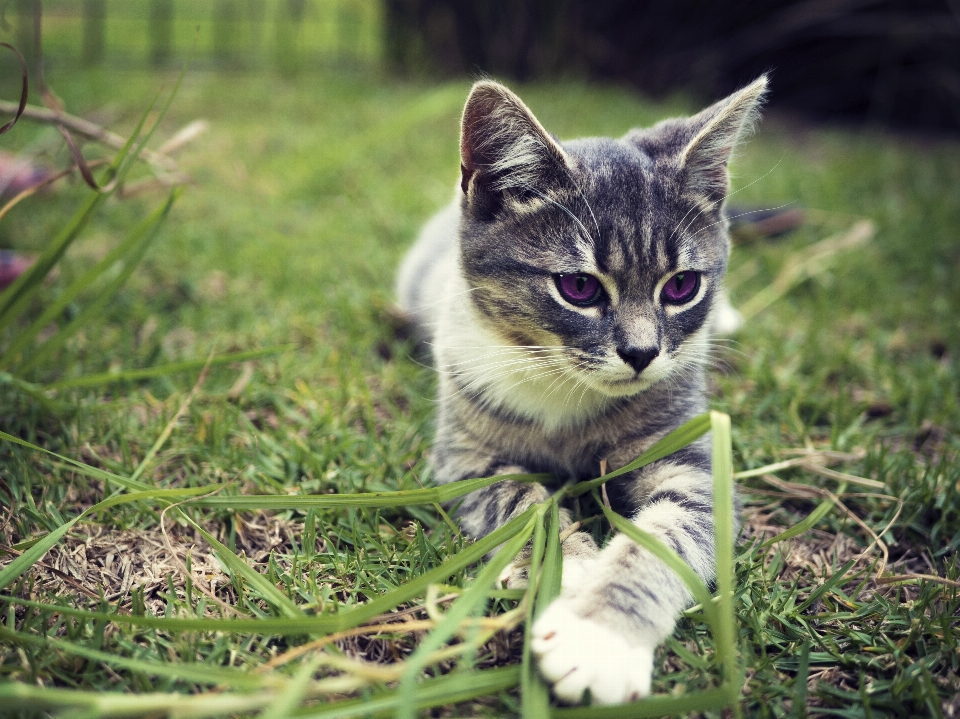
(532, 383)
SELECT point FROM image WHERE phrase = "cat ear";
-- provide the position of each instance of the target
(717, 131)
(503, 147)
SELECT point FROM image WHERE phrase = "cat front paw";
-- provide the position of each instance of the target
(579, 554)
(514, 576)
(576, 654)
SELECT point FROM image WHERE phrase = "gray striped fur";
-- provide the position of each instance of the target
(529, 382)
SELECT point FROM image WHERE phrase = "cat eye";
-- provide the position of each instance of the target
(579, 289)
(681, 287)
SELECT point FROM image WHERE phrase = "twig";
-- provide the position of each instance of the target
(570, 531)
(188, 133)
(804, 490)
(24, 194)
(92, 131)
(603, 487)
(841, 476)
(831, 455)
(504, 621)
(22, 104)
(806, 263)
(64, 576)
(183, 567)
(900, 578)
(810, 460)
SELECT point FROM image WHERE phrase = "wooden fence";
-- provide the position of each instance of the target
(234, 34)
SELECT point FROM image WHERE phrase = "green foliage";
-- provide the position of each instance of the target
(307, 192)
(16, 298)
(510, 539)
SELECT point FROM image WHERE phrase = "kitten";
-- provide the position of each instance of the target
(567, 295)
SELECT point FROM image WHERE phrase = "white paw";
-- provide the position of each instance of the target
(576, 654)
(575, 571)
(512, 577)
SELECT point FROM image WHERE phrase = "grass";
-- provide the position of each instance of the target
(308, 190)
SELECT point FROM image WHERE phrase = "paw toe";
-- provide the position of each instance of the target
(513, 577)
(575, 571)
(576, 654)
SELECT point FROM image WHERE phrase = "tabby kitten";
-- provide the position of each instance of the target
(567, 295)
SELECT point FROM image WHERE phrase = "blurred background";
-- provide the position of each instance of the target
(886, 63)
(313, 138)
(322, 134)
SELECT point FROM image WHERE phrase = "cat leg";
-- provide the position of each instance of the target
(579, 553)
(485, 510)
(601, 634)
(578, 549)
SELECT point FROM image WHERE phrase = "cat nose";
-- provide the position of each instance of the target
(638, 357)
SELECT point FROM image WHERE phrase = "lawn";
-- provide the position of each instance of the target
(306, 191)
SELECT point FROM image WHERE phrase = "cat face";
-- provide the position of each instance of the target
(611, 249)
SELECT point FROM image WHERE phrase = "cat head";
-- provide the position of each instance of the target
(611, 248)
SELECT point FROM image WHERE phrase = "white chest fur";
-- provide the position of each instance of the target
(538, 383)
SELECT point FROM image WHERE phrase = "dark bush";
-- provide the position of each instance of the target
(885, 62)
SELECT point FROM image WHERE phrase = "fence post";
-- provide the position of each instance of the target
(348, 31)
(161, 32)
(94, 20)
(255, 17)
(288, 29)
(225, 28)
(24, 37)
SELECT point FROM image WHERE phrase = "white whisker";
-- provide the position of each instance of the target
(713, 204)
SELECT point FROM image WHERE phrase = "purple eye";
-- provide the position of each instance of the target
(579, 289)
(681, 287)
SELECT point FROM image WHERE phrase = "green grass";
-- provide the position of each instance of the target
(307, 191)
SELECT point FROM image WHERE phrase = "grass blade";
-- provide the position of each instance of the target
(85, 469)
(31, 555)
(834, 580)
(468, 603)
(804, 525)
(104, 378)
(528, 674)
(448, 689)
(543, 587)
(288, 700)
(308, 625)
(189, 671)
(723, 523)
(237, 566)
(15, 298)
(131, 251)
(677, 439)
(548, 588)
(666, 555)
(659, 706)
(452, 688)
(103, 704)
(30, 389)
(403, 498)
